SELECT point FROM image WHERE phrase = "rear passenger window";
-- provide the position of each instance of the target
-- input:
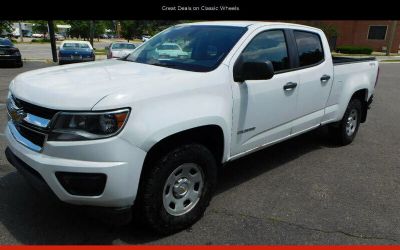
(268, 45)
(309, 48)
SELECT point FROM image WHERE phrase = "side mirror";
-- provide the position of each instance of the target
(94, 48)
(58, 47)
(253, 71)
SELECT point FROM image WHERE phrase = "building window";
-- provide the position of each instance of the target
(377, 32)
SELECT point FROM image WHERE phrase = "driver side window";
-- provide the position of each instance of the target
(271, 46)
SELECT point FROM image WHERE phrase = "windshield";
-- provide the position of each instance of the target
(5, 42)
(195, 48)
(123, 46)
(76, 46)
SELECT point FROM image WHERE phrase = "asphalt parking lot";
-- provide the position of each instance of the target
(303, 191)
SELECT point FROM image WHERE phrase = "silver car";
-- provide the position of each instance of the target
(119, 49)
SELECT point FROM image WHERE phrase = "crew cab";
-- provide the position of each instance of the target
(150, 132)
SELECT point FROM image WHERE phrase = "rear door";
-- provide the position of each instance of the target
(315, 70)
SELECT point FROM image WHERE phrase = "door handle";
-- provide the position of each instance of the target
(289, 86)
(325, 78)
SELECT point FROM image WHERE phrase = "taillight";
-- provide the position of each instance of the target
(377, 76)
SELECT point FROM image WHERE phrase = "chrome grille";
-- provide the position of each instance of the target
(28, 123)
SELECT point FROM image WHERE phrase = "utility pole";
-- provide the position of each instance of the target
(21, 35)
(391, 38)
(52, 40)
(91, 32)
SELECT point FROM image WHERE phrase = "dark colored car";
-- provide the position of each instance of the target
(75, 51)
(9, 54)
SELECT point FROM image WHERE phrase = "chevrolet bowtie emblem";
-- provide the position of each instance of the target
(16, 113)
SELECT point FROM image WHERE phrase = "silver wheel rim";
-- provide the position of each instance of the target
(351, 123)
(183, 189)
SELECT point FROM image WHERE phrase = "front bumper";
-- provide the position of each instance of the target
(10, 58)
(75, 60)
(114, 157)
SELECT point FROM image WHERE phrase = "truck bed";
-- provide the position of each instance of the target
(344, 60)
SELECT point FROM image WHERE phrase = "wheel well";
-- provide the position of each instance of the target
(211, 136)
(362, 95)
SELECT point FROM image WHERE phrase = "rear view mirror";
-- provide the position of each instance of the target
(253, 70)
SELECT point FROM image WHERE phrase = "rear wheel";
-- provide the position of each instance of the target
(346, 130)
(178, 188)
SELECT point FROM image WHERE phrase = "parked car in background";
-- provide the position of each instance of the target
(27, 33)
(104, 36)
(170, 50)
(119, 49)
(9, 54)
(37, 35)
(145, 38)
(75, 51)
(59, 37)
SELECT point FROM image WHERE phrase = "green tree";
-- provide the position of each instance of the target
(79, 29)
(129, 29)
(136, 28)
(5, 27)
(40, 27)
(99, 28)
(154, 26)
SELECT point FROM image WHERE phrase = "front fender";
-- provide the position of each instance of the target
(150, 124)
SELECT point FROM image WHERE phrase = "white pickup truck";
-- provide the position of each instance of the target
(152, 130)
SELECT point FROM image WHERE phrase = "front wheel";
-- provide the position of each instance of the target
(178, 188)
(347, 128)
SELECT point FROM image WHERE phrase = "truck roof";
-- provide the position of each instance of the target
(248, 23)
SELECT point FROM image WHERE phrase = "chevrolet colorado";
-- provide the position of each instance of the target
(151, 129)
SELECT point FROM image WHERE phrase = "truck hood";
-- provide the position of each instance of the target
(81, 86)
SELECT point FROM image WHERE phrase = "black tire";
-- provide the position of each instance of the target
(340, 130)
(151, 207)
(19, 64)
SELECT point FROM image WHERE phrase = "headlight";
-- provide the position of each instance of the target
(76, 126)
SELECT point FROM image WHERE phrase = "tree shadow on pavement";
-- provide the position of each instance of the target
(31, 218)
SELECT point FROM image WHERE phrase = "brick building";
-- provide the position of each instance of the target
(375, 34)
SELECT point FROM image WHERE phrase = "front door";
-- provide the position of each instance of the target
(264, 109)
